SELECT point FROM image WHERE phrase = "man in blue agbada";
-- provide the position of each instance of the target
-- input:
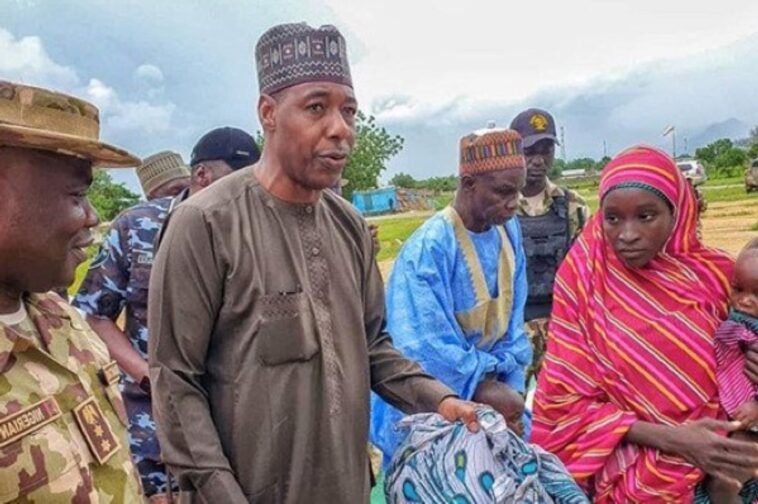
(456, 295)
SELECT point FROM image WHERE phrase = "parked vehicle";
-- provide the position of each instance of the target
(751, 177)
(693, 170)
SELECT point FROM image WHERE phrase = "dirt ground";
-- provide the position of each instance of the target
(727, 225)
(730, 225)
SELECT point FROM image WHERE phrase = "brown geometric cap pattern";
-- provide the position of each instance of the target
(294, 53)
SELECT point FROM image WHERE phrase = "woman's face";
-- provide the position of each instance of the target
(637, 224)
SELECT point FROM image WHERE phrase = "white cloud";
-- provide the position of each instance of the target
(102, 95)
(137, 116)
(150, 80)
(26, 60)
(490, 51)
(149, 73)
(143, 116)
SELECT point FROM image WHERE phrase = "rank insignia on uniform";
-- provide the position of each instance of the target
(96, 430)
(27, 420)
(110, 373)
(538, 122)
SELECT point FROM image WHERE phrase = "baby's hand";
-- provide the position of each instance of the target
(747, 414)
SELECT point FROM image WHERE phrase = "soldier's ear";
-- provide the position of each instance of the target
(267, 112)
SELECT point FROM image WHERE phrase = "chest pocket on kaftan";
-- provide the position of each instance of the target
(288, 329)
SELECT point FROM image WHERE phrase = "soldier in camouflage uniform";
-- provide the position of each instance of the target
(63, 431)
(551, 217)
(118, 279)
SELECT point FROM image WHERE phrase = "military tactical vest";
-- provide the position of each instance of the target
(546, 242)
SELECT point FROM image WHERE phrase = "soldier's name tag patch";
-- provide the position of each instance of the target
(17, 425)
(96, 430)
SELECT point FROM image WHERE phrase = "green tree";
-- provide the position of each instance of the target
(601, 164)
(259, 140)
(722, 158)
(752, 151)
(711, 152)
(585, 163)
(557, 169)
(404, 180)
(439, 184)
(374, 146)
(108, 197)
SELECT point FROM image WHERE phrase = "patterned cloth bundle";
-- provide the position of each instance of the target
(442, 462)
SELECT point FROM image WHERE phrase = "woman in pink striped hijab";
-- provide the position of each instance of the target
(627, 398)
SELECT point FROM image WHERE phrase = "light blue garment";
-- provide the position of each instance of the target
(441, 462)
(429, 284)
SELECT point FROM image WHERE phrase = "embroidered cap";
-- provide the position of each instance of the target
(294, 53)
(159, 169)
(491, 149)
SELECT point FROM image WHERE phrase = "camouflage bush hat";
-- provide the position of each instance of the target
(37, 118)
(294, 53)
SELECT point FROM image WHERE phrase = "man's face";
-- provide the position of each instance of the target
(45, 218)
(495, 195)
(171, 188)
(539, 160)
(313, 131)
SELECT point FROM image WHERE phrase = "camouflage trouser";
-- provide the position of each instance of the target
(143, 442)
(537, 331)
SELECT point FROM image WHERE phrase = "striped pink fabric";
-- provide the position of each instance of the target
(632, 344)
(734, 387)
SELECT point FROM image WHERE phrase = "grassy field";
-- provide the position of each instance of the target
(729, 222)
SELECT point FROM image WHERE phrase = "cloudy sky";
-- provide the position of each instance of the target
(611, 71)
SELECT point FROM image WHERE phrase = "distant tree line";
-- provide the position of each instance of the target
(724, 158)
(437, 184)
(446, 184)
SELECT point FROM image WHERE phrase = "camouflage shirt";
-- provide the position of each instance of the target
(62, 422)
(578, 210)
(118, 279)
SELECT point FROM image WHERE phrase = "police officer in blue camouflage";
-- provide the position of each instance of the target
(118, 280)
